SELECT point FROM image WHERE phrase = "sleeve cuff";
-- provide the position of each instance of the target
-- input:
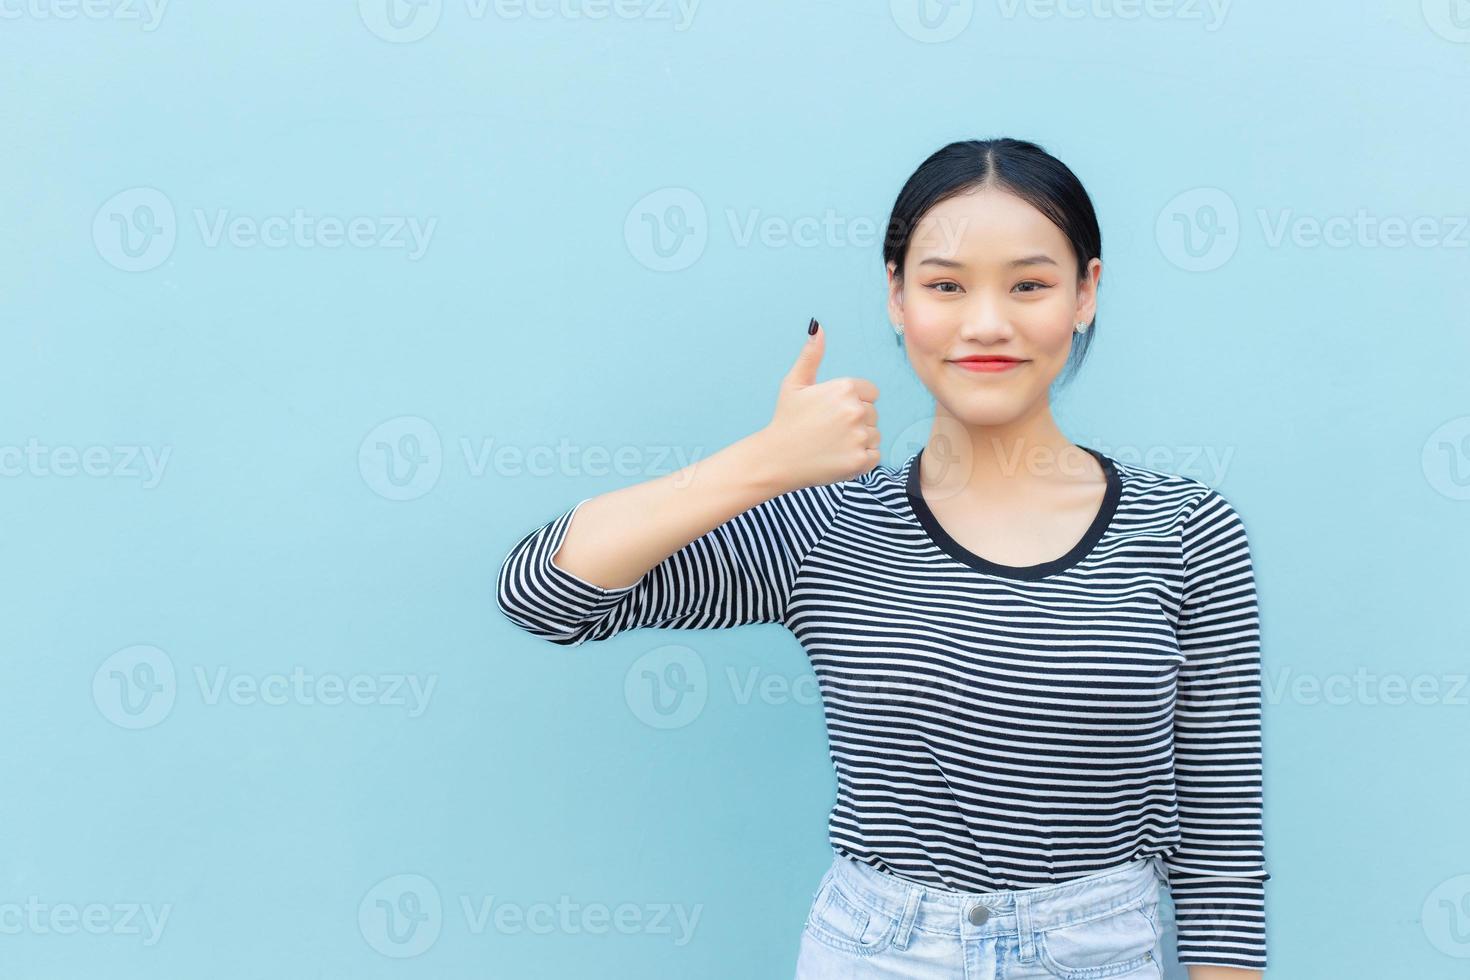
(1221, 918)
(594, 598)
(546, 599)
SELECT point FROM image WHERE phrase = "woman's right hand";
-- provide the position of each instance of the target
(821, 432)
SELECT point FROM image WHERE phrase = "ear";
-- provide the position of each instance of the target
(1087, 292)
(895, 295)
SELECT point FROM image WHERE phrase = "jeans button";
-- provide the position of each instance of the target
(979, 914)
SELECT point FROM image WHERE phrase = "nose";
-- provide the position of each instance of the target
(984, 318)
(985, 322)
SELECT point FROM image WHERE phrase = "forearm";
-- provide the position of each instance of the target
(1222, 973)
(615, 538)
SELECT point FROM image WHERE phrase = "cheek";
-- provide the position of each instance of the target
(1046, 327)
(1055, 339)
(930, 322)
(928, 334)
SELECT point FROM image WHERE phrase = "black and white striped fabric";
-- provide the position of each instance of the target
(994, 726)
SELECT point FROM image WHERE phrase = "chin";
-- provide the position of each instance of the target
(991, 409)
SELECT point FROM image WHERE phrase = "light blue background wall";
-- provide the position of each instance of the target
(1319, 384)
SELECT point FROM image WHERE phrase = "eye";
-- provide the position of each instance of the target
(1031, 282)
(935, 286)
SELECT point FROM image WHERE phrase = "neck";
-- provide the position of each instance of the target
(988, 458)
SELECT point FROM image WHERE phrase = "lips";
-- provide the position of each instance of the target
(987, 364)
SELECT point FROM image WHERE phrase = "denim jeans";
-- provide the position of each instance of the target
(866, 924)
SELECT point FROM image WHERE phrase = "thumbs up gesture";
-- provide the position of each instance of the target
(822, 432)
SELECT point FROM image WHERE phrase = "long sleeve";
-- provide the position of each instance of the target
(1217, 875)
(739, 572)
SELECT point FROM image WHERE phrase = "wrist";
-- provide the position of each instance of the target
(754, 465)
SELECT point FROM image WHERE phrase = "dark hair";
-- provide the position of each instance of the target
(1018, 166)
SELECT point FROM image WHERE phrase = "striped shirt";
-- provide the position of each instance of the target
(994, 726)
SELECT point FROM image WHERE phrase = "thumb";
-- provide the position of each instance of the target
(804, 371)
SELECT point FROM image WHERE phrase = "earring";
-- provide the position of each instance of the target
(1081, 326)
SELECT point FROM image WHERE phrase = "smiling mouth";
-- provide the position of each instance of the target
(987, 365)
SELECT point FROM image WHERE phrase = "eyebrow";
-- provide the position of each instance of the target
(1037, 259)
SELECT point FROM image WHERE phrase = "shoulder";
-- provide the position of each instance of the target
(883, 486)
(1188, 500)
(1209, 537)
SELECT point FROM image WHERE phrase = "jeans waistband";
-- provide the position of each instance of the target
(1018, 912)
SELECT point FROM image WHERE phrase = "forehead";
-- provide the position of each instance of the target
(985, 225)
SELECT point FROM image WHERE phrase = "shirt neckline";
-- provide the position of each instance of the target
(1080, 550)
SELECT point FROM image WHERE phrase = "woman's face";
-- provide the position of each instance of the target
(987, 274)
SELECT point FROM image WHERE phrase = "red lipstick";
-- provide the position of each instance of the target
(987, 363)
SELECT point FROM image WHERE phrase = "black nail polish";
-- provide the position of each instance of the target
(811, 328)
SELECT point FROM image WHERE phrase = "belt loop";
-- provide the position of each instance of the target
(906, 921)
(1160, 871)
(1023, 928)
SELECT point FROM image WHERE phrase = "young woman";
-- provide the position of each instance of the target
(1039, 665)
